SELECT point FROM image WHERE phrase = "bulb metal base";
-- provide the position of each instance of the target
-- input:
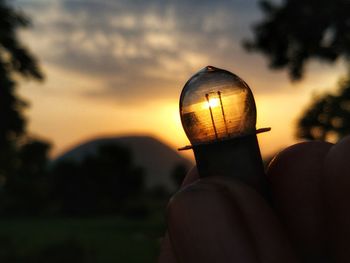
(238, 158)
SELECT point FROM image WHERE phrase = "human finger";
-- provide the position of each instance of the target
(166, 250)
(337, 199)
(191, 177)
(166, 253)
(296, 186)
(220, 220)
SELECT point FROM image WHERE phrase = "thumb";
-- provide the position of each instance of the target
(222, 220)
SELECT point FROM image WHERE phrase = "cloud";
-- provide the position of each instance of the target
(139, 49)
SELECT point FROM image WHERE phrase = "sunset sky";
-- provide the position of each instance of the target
(118, 67)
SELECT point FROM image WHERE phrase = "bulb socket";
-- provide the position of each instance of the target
(238, 158)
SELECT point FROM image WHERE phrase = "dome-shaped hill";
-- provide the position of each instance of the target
(155, 157)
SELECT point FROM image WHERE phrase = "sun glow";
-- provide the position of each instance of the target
(213, 102)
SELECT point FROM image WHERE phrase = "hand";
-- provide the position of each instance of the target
(223, 220)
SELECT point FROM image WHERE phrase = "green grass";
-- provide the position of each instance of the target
(107, 239)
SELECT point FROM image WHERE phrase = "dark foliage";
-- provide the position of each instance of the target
(25, 192)
(68, 251)
(296, 31)
(15, 60)
(8, 251)
(101, 183)
(328, 117)
(178, 174)
(159, 192)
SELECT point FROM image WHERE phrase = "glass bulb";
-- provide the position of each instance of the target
(215, 105)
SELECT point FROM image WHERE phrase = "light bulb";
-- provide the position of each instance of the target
(215, 105)
(218, 114)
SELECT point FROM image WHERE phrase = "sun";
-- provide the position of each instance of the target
(212, 103)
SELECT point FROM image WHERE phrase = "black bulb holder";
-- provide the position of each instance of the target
(237, 157)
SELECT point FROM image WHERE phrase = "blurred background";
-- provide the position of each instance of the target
(89, 121)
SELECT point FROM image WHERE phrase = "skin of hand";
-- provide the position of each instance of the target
(217, 219)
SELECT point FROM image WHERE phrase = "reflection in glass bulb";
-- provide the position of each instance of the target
(216, 105)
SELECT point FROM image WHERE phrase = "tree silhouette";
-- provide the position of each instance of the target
(296, 31)
(328, 117)
(26, 191)
(100, 183)
(15, 61)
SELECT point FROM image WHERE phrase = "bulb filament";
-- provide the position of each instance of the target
(212, 102)
(211, 115)
(223, 113)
